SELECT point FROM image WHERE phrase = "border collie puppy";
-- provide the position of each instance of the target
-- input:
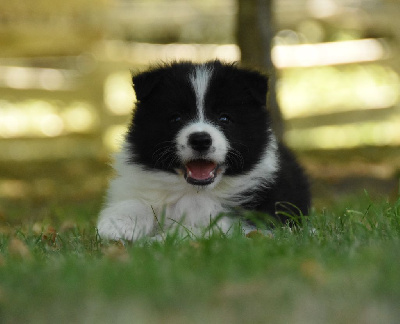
(200, 145)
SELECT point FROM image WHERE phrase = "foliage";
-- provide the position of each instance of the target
(335, 266)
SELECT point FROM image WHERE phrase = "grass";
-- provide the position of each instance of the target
(339, 266)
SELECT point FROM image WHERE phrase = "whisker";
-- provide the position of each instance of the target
(240, 143)
(164, 156)
(235, 158)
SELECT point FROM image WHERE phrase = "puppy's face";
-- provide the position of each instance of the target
(200, 122)
(202, 149)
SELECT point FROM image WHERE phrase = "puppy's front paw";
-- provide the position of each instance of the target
(127, 220)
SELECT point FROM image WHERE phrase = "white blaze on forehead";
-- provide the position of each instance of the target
(200, 80)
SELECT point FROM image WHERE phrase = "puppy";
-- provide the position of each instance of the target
(200, 145)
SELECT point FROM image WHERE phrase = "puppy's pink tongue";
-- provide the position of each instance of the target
(200, 169)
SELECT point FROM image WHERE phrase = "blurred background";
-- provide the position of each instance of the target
(66, 94)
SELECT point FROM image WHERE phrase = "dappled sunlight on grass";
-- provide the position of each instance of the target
(119, 96)
(329, 53)
(46, 118)
(321, 90)
(302, 93)
(36, 191)
(346, 136)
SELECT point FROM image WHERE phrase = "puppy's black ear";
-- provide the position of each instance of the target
(144, 83)
(258, 86)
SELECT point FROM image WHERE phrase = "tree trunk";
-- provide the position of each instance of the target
(254, 33)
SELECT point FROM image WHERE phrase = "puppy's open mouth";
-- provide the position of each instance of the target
(200, 172)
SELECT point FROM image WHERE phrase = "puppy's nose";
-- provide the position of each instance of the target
(200, 141)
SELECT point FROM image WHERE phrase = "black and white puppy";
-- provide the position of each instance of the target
(199, 145)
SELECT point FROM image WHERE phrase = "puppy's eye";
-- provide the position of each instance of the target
(224, 119)
(175, 119)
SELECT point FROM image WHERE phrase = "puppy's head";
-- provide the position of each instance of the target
(199, 121)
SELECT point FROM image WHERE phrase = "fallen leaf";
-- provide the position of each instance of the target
(50, 234)
(255, 234)
(116, 252)
(195, 245)
(6, 229)
(19, 249)
(37, 228)
(313, 270)
(67, 226)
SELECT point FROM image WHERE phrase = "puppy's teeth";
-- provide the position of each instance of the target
(189, 173)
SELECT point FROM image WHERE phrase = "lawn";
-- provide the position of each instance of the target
(341, 265)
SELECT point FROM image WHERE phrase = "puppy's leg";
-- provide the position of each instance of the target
(128, 220)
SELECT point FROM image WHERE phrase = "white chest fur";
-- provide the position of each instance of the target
(194, 210)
